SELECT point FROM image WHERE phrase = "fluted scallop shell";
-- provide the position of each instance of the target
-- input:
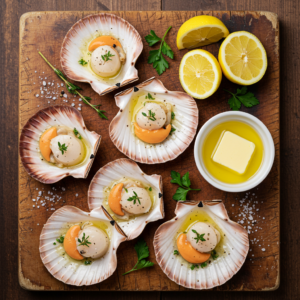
(29, 144)
(104, 24)
(114, 171)
(65, 270)
(185, 123)
(217, 271)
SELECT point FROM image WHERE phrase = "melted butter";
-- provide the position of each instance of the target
(86, 55)
(153, 196)
(62, 232)
(198, 215)
(86, 150)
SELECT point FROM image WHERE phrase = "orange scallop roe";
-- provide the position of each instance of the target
(70, 242)
(114, 199)
(152, 136)
(102, 41)
(189, 253)
(45, 140)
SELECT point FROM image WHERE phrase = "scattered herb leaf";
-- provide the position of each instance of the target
(125, 190)
(184, 185)
(82, 62)
(62, 147)
(87, 262)
(77, 134)
(134, 198)
(242, 97)
(54, 243)
(214, 254)
(176, 252)
(150, 116)
(60, 239)
(106, 57)
(203, 265)
(194, 266)
(84, 241)
(172, 115)
(149, 96)
(150, 189)
(142, 252)
(199, 237)
(172, 129)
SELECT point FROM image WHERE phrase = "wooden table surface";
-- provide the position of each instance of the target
(288, 12)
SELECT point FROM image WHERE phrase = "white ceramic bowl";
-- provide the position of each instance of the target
(268, 157)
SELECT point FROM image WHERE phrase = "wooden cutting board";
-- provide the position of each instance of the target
(44, 31)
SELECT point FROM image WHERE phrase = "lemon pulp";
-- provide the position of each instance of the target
(223, 173)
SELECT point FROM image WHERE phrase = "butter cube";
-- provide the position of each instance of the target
(233, 152)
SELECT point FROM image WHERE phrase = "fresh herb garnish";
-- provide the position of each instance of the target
(156, 58)
(214, 254)
(54, 244)
(84, 241)
(241, 97)
(62, 147)
(82, 62)
(87, 262)
(194, 266)
(149, 96)
(134, 198)
(172, 115)
(184, 185)
(199, 237)
(150, 116)
(106, 57)
(125, 190)
(176, 252)
(150, 188)
(73, 89)
(203, 265)
(142, 251)
(77, 134)
(60, 239)
(172, 129)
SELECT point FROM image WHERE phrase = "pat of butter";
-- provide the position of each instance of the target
(233, 152)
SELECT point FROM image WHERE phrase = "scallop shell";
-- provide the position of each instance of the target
(29, 144)
(108, 24)
(218, 271)
(114, 171)
(186, 123)
(63, 269)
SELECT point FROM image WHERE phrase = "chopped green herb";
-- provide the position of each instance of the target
(73, 89)
(241, 97)
(63, 148)
(184, 185)
(194, 266)
(142, 251)
(82, 62)
(176, 252)
(199, 237)
(172, 130)
(106, 57)
(150, 116)
(125, 190)
(150, 188)
(149, 96)
(84, 241)
(203, 265)
(87, 262)
(89, 53)
(172, 115)
(134, 198)
(54, 244)
(214, 254)
(60, 239)
(77, 133)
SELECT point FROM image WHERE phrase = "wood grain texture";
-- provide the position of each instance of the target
(261, 270)
(288, 12)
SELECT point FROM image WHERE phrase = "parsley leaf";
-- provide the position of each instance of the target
(153, 54)
(60, 239)
(166, 50)
(242, 97)
(203, 265)
(160, 64)
(142, 252)
(152, 38)
(184, 185)
(176, 252)
(82, 62)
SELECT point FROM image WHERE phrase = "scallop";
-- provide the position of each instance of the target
(90, 27)
(71, 271)
(31, 158)
(185, 124)
(127, 169)
(234, 244)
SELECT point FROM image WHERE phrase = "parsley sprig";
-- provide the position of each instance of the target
(82, 62)
(150, 116)
(184, 185)
(106, 57)
(142, 252)
(77, 134)
(134, 198)
(241, 97)
(84, 241)
(199, 237)
(62, 147)
(73, 89)
(156, 57)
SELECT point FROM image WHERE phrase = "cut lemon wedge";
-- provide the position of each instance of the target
(200, 31)
(243, 58)
(200, 73)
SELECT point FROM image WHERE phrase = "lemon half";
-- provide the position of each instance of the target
(200, 73)
(200, 31)
(243, 58)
